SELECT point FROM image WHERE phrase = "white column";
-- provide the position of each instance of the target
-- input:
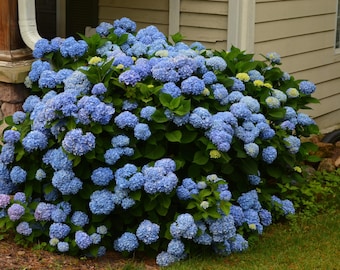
(241, 24)
(174, 16)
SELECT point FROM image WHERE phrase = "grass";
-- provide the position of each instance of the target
(306, 243)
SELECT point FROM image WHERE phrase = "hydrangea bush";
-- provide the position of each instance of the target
(134, 143)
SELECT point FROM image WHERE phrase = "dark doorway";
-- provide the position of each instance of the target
(46, 18)
(79, 14)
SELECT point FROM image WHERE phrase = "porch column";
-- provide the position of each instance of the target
(15, 60)
(241, 24)
(174, 16)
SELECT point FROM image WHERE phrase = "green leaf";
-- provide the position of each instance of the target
(153, 152)
(201, 158)
(159, 117)
(274, 171)
(178, 37)
(277, 114)
(174, 136)
(188, 137)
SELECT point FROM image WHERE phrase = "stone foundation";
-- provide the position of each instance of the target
(12, 97)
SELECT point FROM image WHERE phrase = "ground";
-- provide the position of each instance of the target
(15, 257)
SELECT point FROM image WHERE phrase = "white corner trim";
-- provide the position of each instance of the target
(27, 22)
(174, 16)
(241, 24)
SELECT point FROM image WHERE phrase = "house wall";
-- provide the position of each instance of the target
(144, 13)
(303, 33)
(205, 21)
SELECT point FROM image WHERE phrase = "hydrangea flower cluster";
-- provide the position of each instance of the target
(129, 142)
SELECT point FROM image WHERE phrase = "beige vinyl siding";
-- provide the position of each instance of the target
(205, 21)
(303, 33)
(144, 13)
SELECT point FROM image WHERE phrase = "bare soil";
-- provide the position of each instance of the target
(15, 257)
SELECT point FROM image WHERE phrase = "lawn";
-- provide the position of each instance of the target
(304, 242)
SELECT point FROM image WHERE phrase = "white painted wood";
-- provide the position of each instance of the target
(241, 24)
(174, 16)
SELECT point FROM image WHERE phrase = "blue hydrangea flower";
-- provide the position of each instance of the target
(274, 58)
(102, 176)
(103, 28)
(165, 259)
(172, 89)
(41, 47)
(192, 85)
(98, 89)
(37, 68)
(254, 179)
(186, 189)
(73, 48)
(82, 239)
(238, 243)
(269, 154)
(234, 97)
(286, 205)
(220, 93)
(129, 77)
(58, 160)
(248, 200)
(252, 103)
(307, 87)
(304, 119)
(292, 143)
(184, 226)
(149, 35)
(255, 75)
(125, 23)
(66, 182)
(4, 200)
(237, 213)
(59, 230)
(18, 175)
(24, 228)
(157, 179)
(126, 119)
(265, 217)
(47, 79)
(101, 230)
(200, 118)
(238, 86)
(148, 232)
(216, 63)
(7, 153)
(222, 228)
(15, 211)
(11, 136)
(209, 77)
(58, 215)
(176, 247)
(252, 149)
(142, 131)
(63, 246)
(77, 83)
(80, 218)
(225, 194)
(102, 202)
(19, 117)
(61, 75)
(20, 197)
(240, 110)
(78, 144)
(34, 140)
(127, 242)
(127, 203)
